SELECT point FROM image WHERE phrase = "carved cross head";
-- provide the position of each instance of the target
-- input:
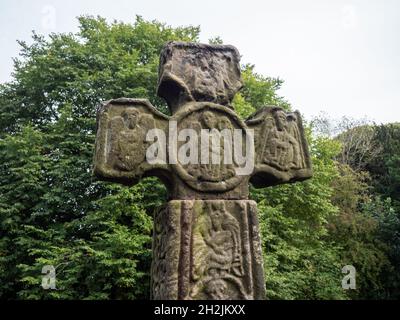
(204, 150)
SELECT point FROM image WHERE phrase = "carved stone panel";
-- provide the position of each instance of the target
(121, 144)
(282, 152)
(214, 251)
(215, 167)
(166, 248)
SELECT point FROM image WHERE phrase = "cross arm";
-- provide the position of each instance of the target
(281, 150)
(121, 142)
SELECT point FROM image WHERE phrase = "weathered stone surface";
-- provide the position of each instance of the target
(198, 72)
(207, 249)
(120, 153)
(206, 241)
(281, 148)
(281, 151)
(209, 177)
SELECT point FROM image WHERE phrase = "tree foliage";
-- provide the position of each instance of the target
(52, 211)
(367, 195)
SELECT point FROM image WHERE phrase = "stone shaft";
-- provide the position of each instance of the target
(207, 249)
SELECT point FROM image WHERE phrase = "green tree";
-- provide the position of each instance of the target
(385, 168)
(366, 193)
(356, 231)
(300, 263)
(385, 173)
(52, 211)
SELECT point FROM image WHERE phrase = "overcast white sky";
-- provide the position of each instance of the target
(341, 56)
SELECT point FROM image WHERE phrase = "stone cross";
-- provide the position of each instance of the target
(206, 242)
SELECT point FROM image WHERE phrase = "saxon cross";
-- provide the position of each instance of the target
(206, 242)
